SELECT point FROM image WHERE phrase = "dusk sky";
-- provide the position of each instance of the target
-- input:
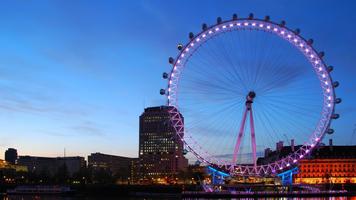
(77, 74)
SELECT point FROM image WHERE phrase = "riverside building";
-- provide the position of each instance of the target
(160, 149)
(328, 164)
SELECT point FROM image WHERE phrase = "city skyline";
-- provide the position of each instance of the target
(78, 75)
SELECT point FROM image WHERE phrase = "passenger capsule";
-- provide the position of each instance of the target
(165, 75)
(180, 47)
(204, 27)
(310, 41)
(338, 100)
(162, 91)
(335, 116)
(297, 31)
(250, 16)
(234, 16)
(267, 18)
(330, 68)
(191, 35)
(283, 23)
(171, 60)
(330, 131)
(336, 84)
(218, 20)
(321, 54)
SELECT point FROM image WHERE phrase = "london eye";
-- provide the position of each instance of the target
(245, 84)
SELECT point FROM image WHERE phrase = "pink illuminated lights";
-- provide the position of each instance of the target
(294, 39)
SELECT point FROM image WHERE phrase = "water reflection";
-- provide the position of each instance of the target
(35, 197)
(30, 197)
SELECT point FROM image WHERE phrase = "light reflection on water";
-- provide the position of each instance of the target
(29, 197)
(51, 197)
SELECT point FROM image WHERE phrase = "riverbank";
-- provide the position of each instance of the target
(217, 195)
(129, 190)
(111, 190)
(183, 191)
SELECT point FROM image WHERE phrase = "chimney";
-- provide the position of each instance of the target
(292, 145)
(267, 152)
(279, 145)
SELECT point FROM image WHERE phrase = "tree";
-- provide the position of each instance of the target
(83, 175)
(102, 176)
(45, 176)
(62, 175)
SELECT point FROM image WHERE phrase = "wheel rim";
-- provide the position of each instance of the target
(282, 32)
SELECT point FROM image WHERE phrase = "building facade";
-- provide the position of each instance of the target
(119, 166)
(328, 164)
(160, 149)
(51, 165)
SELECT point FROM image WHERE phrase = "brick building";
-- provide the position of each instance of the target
(328, 164)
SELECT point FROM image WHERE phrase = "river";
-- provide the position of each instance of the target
(29, 197)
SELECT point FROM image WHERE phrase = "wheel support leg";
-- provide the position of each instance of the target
(239, 138)
(253, 139)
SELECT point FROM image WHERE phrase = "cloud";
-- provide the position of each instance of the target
(53, 133)
(4, 142)
(35, 100)
(28, 106)
(243, 157)
(347, 110)
(154, 12)
(83, 128)
(88, 128)
(157, 102)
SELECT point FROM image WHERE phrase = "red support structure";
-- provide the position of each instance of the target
(253, 138)
(249, 100)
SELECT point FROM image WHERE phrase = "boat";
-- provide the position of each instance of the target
(39, 189)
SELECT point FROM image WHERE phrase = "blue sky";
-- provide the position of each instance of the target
(77, 74)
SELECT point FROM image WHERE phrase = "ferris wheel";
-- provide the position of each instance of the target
(242, 85)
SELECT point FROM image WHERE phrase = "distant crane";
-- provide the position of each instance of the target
(287, 139)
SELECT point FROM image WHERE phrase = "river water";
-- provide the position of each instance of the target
(28, 197)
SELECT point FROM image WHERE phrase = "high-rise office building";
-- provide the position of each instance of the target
(11, 155)
(160, 149)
